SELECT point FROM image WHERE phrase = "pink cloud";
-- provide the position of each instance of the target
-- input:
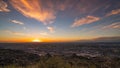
(41, 10)
(86, 20)
(113, 12)
(113, 26)
(3, 6)
(34, 9)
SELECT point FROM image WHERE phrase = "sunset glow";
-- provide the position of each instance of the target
(59, 20)
(59, 32)
(36, 40)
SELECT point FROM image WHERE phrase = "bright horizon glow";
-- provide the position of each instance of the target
(36, 40)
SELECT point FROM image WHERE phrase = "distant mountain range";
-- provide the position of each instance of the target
(102, 39)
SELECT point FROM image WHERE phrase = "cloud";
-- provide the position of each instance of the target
(34, 9)
(51, 29)
(17, 22)
(43, 33)
(45, 11)
(3, 6)
(86, 20)
(113, 12)
(113, 25)
(14, 33)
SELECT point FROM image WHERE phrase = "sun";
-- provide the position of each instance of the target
(36, 40)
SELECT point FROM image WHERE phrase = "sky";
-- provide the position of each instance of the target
(59, 20)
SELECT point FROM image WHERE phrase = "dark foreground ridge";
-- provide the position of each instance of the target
(60, 55)
(17, 57)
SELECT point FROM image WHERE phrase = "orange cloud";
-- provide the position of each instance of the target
(17, 22)
(3, 6)
(51, 29)
(34, 9)
(86, 20)
(114, 12)
(113, 25)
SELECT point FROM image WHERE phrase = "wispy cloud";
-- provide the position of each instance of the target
(14, 33)
(43, 33)
(34, 9)
(113, 12)
(51, 29)
(45, 10)
(3, 6)
(113, 25)
(17, 22)
(86, 20)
